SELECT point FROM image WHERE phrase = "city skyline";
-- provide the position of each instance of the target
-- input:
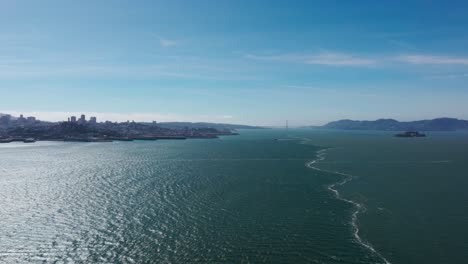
(234, 61)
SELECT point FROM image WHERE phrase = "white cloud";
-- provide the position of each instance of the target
(429, 59)
(322, 58)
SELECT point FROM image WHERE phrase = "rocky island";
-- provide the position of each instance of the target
(410, 134)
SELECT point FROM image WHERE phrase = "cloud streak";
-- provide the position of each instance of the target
(337, 59)
(433, 60)
(330, 91)
(449, 76)
(322, 58)
(351, 60)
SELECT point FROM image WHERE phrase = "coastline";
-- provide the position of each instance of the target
(112, 139)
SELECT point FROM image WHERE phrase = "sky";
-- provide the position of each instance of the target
(249, 62)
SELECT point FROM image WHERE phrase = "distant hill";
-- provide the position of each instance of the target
(176, 125)
(438, 124)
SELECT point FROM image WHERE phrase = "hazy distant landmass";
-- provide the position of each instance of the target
(438, 124)
(175, 125)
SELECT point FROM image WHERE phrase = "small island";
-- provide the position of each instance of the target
(410, 134)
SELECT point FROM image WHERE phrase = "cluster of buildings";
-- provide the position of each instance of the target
(28, 130)
(8, 120)
(82, 120)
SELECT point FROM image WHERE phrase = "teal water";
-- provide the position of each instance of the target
(367, 198)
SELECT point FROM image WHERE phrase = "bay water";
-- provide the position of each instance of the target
(265, 196)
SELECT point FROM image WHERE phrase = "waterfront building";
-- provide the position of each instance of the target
(21, 120)
(30, 120)
(93, 120)
(73, 119)
(5, 120)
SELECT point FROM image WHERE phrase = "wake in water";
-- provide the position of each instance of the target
(358, 207)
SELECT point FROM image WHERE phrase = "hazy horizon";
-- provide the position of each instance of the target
(256, 63)
(149, 117)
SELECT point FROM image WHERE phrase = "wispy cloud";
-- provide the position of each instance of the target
(333, 91)
(430, 59)
(164, 42)
(352, 60)
(322, 58)
(337, 59)
(401, 44)
(449, 76)
(286, 58)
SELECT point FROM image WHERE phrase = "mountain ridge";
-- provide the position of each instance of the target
(437, 124)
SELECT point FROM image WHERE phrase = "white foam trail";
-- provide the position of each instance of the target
(320, 156)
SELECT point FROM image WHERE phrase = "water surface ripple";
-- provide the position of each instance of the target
(246, 199)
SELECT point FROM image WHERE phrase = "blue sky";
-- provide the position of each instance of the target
(252, 62)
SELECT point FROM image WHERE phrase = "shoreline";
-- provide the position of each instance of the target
(112, 139)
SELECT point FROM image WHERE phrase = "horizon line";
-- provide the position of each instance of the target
(145, 117)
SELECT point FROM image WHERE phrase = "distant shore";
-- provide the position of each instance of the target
(111, 139)
(30, 130)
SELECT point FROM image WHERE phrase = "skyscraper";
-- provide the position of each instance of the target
(82, 119)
